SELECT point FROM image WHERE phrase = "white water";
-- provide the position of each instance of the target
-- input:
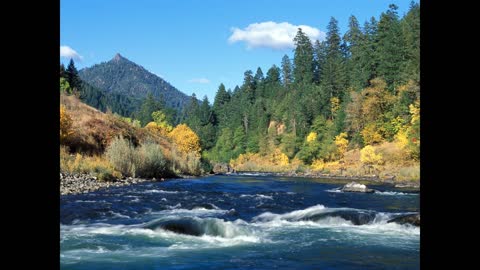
(257, 196)
(264, 228)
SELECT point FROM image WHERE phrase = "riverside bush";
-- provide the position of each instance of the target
(146, 160)
(121, 153)
(150, 161)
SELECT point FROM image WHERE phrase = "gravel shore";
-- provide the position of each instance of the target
(82, 183)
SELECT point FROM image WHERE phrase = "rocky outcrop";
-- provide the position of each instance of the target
(413, 219)
(355, 217)
(356, 187)
(222, 168)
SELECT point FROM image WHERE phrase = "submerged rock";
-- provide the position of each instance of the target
(355, 217)
(413, 219)
(356, 187)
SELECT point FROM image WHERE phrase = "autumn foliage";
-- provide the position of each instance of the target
(185, 139)
(65, 124)
(369, 157)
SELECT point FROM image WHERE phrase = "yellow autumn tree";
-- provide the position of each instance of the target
(318, 165)
(334, 105)
(371, 134)
(154, 127)
(341, 142)
(186, 139)
(401, 138)
(369, 157)
(65, 124)
(312, 136)
(376, 100)
(159, 124)
(279, 158)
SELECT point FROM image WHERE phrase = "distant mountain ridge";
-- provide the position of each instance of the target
(124, 77)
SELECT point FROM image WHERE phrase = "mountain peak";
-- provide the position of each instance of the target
(117, 57)
(121, 76)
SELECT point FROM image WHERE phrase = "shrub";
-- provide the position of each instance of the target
(65, 124)
(318, 165)
(369, 157)
(150, 161)
(341, 142)
(95, 165)
(193, 163)
(121, 154)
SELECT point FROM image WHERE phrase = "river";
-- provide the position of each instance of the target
(238, 222)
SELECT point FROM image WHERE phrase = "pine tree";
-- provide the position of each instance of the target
(320, 54)
(192, 114)
(149, 106)
(222, 98)
(355, 45)
(411, 33)
(72, 75)
(390, 47)
(369, 58)
(248, 86)
(273, 75)
(63, 73)
(259, 76)
(258, 83)
(333, 75)
(206, 130)
(303, 60)
(286, 71)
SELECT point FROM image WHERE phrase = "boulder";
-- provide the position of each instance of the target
(356, 187)
(412, 219)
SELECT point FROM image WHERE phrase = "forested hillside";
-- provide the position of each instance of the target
(123, 78)
(359, 91)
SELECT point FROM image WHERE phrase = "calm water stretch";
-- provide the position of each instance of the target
(238, 222)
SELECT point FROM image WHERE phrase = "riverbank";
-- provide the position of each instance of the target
(82, 183)
(371, 179)
(413, 184)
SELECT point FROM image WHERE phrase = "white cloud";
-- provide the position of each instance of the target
(199, 80)
(273, 35)
(68, 52)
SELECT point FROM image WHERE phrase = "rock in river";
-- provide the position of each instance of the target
(356, 187)
(413, 219)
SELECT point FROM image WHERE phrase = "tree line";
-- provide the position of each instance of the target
(365, 84)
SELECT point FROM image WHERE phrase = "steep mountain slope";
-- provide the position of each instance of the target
(124, 77)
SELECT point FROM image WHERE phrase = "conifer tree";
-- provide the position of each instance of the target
(286, 71)
(303, 60)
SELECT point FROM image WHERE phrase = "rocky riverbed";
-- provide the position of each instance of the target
(82, 183)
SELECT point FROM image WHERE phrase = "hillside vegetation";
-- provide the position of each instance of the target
(126, 79)
(110, 146)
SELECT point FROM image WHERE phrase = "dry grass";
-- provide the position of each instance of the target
(92, 129)
(95, 165)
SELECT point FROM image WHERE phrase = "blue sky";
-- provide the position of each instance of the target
(196, 45)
